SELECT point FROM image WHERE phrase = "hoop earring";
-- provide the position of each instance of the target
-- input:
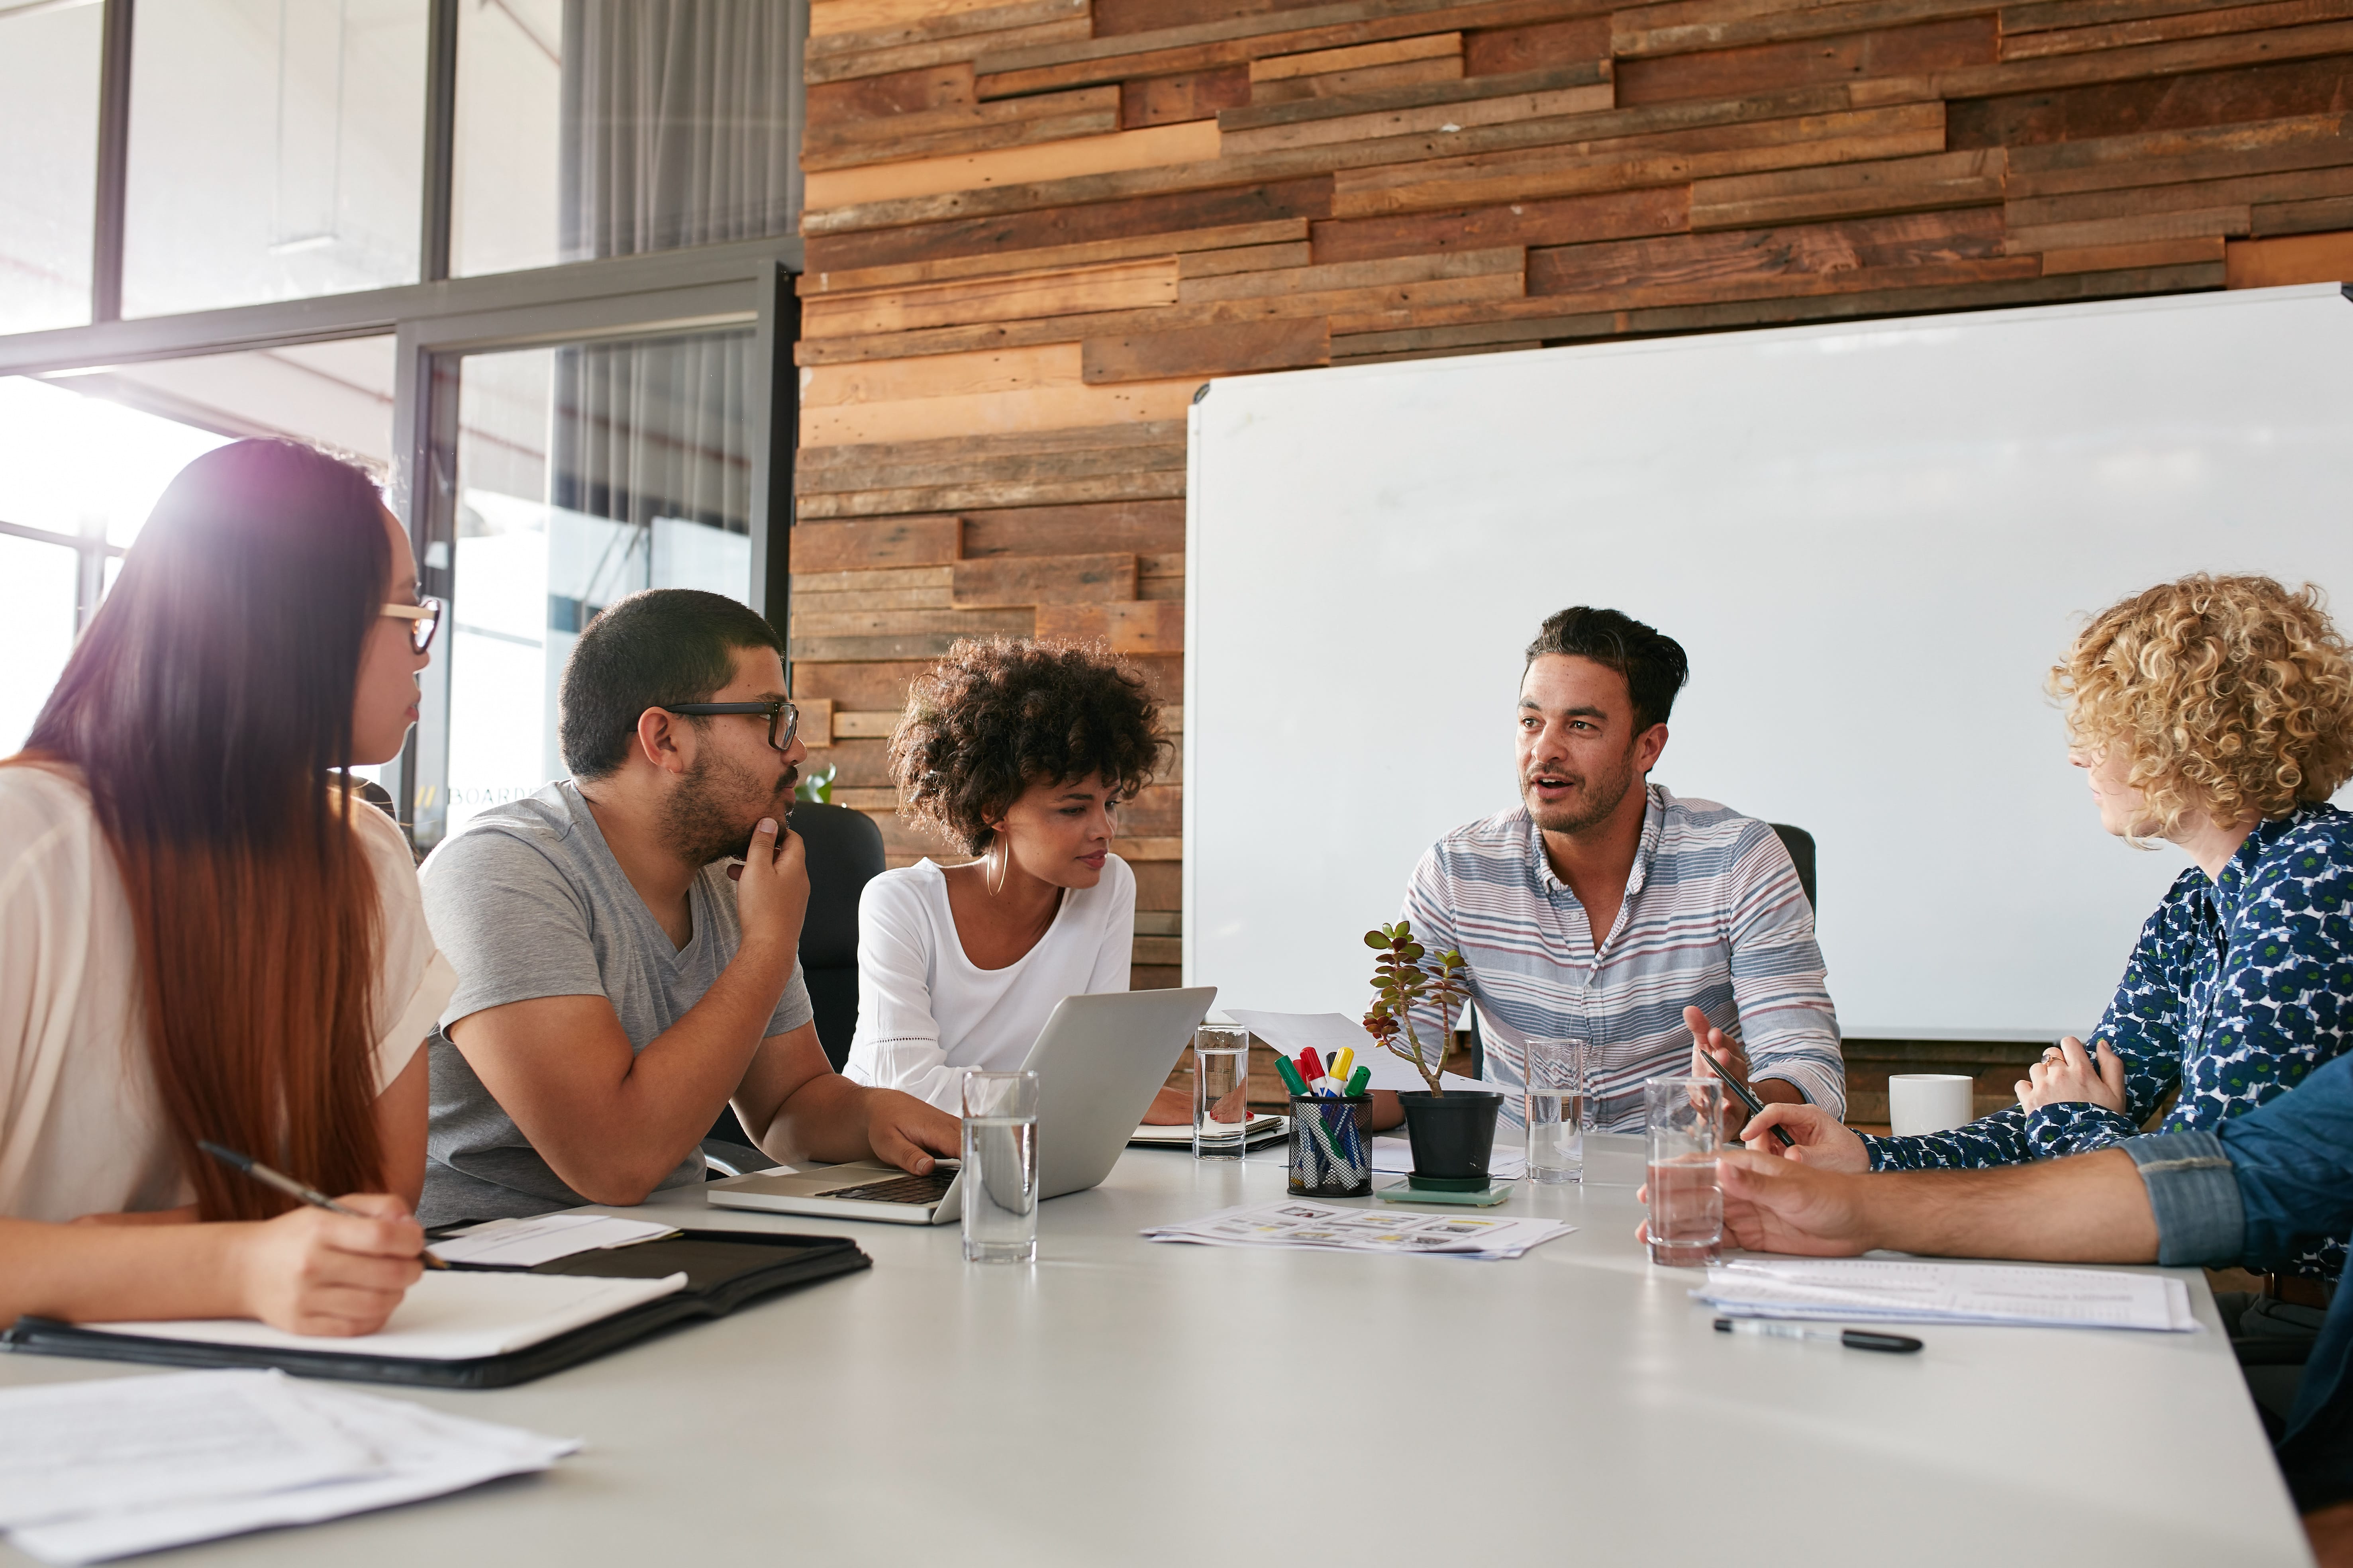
(1000, 857)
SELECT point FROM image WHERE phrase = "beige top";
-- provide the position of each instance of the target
(80, 1131)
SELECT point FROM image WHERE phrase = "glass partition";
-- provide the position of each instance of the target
(276, 151)
(48, 164)
(590, 128)
(584, 473)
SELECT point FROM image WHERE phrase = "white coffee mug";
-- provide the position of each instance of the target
(1921, 1102)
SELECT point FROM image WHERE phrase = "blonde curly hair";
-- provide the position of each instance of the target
(2230, 696)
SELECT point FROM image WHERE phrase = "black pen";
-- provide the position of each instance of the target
(291, 1187)
(1853, 1338)
(1748, 1097)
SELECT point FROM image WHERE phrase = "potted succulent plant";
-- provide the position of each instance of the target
(1452, 1134)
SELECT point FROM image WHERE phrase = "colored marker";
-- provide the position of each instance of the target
(1291, 1079)
(1359, 1081)
(1310, 1066)
(1341, 1061)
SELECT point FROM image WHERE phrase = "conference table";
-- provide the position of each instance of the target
(1124, 1401)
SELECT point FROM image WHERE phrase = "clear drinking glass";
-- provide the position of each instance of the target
(1558, 1109)
(1685, 1119)
(1220, 1092)
(1000, 1167)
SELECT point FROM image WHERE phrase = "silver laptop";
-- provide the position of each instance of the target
(1099, 1060)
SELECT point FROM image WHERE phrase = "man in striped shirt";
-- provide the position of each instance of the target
(1603, 909)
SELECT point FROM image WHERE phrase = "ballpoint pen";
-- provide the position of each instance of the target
(291, 1187)
(1853, 1338)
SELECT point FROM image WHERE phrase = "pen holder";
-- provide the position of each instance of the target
(1331, 1149)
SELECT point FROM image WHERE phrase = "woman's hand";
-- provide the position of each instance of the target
(2067, 1074)
(1823, 1141)
(311, 1271)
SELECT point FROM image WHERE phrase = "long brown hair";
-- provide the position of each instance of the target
(205, 707)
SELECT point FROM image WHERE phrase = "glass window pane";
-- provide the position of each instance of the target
(37, 629)
(277, 150)
(607, 127)
(583, 474)
(89, 452)
(48, 164)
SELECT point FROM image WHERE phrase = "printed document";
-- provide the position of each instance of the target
(1302, 1221)
(528, 1243)
(136, 1464)
(1860, 1290)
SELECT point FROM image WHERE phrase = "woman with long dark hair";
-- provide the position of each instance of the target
(205, 934)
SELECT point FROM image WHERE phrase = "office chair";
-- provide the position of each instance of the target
(1801, 846)
(845, 853)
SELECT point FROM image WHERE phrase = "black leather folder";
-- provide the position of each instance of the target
(725, 1269)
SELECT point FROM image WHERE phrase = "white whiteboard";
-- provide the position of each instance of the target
(1873, 539)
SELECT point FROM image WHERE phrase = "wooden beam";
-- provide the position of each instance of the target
(1070, 292)
(1064, 159)
(1851, 190)
(1032, 580)
(895, 542)
(1210, 350)
(1148, 626)
(1126, 249)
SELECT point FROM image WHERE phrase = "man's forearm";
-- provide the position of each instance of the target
(2093, 1208)
(821, 1120)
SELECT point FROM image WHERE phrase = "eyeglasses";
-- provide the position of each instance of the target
(424, 618)
(784, 719)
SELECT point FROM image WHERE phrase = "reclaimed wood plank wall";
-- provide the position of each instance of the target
(1033, 229)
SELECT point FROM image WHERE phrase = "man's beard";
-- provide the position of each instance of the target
(1600, 796)
(702, 820)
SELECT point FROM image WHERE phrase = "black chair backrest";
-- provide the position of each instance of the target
(1801, 846)
(845, 853)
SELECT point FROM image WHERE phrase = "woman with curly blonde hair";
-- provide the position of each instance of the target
(2214, 713)
(1019, 755)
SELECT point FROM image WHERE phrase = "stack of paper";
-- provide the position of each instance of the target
(1860, 1290)
(1297, 1221)
(528, 1243)
(101, 1469)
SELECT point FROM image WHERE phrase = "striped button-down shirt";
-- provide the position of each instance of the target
(1714, 918)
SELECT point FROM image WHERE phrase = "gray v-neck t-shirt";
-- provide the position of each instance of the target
(528, 901)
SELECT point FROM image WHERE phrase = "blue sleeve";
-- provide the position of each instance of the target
(2285, 1005)
(1996, 1140)
(2143, 1026)
(2293, 1162)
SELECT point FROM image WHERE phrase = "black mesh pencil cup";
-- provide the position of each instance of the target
(1331, 1150)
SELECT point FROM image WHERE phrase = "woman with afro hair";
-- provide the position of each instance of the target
(1019, 755)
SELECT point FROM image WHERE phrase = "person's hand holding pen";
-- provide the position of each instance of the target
(337, 1266)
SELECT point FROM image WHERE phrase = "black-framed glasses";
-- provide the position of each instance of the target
(424, 618)
(784, 719)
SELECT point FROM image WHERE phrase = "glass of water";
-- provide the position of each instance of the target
(1685, 1117)
(1558, 1104)
(1000, 1167)
(1220, 1092)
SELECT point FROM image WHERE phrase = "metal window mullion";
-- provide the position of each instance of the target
(113, 163)
(440, 141)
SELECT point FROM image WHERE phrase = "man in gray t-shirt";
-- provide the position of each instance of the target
(619, 983)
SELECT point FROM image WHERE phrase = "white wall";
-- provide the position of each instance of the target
(1874, 540)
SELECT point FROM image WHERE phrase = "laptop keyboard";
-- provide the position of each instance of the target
(929, 1189)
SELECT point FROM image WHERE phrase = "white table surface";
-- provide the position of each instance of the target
(1132, 1402)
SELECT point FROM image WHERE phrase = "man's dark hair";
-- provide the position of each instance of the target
(1653, 664)
(648, 650)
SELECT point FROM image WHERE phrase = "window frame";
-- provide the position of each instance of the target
(433, 323)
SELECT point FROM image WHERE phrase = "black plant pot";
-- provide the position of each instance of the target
(1452, 1134)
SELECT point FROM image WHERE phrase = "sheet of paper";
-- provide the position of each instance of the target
(454, 1316)
(394, 1452)
(1302, 1222)
(1291, 1032)
(1181, 1136)
(528, 1243)
(70, 1447)
(1900, 1290)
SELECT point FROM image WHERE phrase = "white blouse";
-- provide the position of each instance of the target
(81, 1131)
(925, 1013)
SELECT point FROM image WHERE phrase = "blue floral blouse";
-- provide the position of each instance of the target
(2236, 991)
